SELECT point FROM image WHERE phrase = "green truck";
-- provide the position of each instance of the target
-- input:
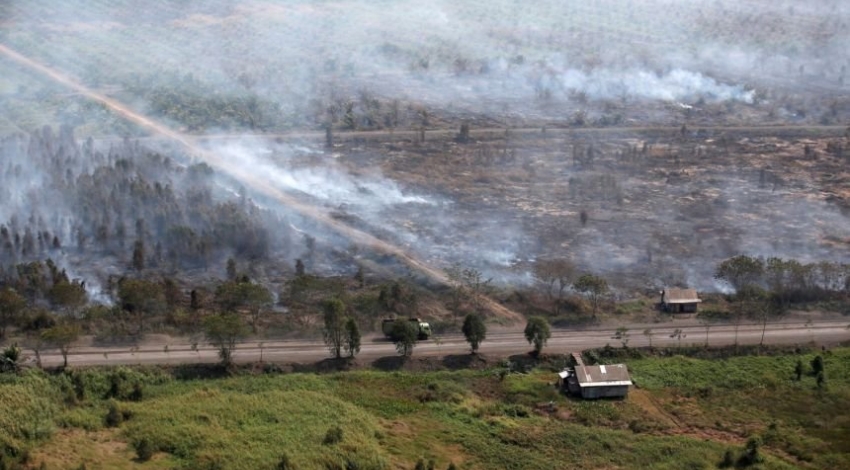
(423, 328)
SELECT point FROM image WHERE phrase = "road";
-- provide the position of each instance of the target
(503, 343)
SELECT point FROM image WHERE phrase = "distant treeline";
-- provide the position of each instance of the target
(69, 199)
(785, 281)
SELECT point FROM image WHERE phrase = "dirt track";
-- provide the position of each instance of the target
(500, 344)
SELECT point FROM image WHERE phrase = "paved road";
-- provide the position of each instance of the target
(502, 343)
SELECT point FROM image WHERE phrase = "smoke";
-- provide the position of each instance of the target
(431, 227)
(538, 61)
(478, 57)
(677, 85)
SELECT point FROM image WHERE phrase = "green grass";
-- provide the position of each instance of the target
(685, 414)
(760, 395)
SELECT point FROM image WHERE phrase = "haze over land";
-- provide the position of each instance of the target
(268, 67)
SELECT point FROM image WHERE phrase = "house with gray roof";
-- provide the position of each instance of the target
(599, 381)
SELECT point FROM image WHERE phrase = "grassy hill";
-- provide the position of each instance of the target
(684, 413)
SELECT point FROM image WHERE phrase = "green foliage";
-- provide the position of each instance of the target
(551, 274)
(29, 407)
(333, 436)
(9, 358)
(223, 331)
(11, 308)
(144, 449)
(728, 459)
(352, 337)
(474, 330)
(194, 422)
(537, 332)
(817, 365)
(242, 293)
(799, 369)
(593, 287)
(334, 327)
(244, 422)
(740, 272)
(142, 299)
(404, 334)
(62, 336)
(114, 415)
(750, 455)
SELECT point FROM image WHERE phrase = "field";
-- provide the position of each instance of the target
(684, 413)
(183, 172)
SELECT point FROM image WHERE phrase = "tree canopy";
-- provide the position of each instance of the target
(474, 330)
(537, 332)
(223, 331)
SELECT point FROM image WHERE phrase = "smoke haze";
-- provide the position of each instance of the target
(268, 67)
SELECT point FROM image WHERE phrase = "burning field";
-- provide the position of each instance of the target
(660, 206)
(639, 147)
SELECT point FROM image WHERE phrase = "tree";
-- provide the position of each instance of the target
(141, 299)
(474, 330)
(404, 335)
(62, 337)
(537, 332)
(222, 331)
(68, 296)
(551, 272)
(740, 272)
(11, 308)
(139, 255)
(233, 295)
(33, 326)
(744, 274)
(352, 337)
(593, 287)
(334, 330)
(258, 300)
(468, 284)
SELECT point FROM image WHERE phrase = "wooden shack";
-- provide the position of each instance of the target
(675, 300)
(601, 381)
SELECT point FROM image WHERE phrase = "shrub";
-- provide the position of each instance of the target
(144, 449)
(817, 365)
(114, 417)
(751, 455)
(728, 459)
(138, 392)
(285, 463)
(333, 436)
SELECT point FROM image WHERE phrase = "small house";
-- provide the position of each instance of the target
(675, 300)
(601, 381)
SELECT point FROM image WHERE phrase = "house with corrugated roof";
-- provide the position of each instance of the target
(600, 381)
(674, 300)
